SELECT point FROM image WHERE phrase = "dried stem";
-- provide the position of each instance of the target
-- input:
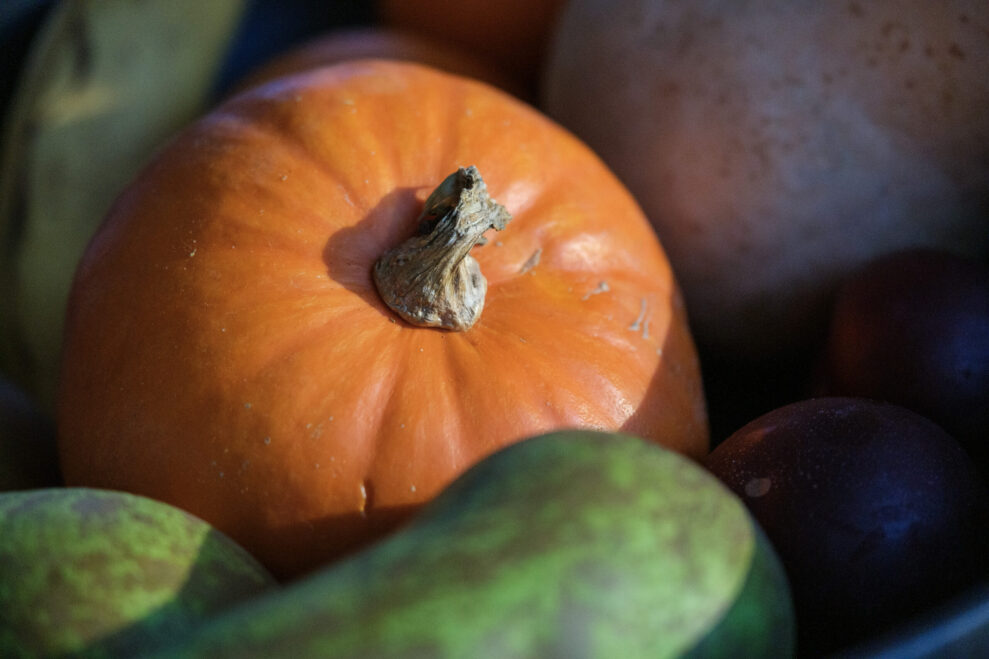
(431, 279)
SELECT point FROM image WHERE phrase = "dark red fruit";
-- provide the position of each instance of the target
(912, 328)
(875, 511)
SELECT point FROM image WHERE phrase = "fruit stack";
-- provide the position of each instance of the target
(500, 328)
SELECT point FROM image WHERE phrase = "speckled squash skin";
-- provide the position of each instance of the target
(94, 573)
(227, 351)
(778, 145)
(575, 544)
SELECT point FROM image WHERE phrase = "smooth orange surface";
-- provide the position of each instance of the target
(383, 43)
(226, 350)
(513, 33)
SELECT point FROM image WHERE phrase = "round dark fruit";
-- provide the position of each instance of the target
(875, 511)
(912, 328)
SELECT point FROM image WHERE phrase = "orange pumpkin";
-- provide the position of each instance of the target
(383, 43)
(227, 349)
(513, 33)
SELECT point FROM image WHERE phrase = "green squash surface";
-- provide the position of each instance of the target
(87, 572)
(572, 544)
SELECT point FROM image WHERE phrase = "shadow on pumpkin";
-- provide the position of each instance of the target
(314, 539)
(676, 388)
(350, 252)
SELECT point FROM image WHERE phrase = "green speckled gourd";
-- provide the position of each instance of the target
(96, 573)
(572, 544)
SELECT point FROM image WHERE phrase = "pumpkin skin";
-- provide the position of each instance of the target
(382, 43)
(226, 350)
(513, 33)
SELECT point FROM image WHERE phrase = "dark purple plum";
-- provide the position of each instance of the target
(912, 328)
(875, 511)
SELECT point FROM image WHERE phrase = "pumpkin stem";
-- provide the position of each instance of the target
(431, 279)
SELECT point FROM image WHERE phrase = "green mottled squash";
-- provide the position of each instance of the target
(572, 544)
(87, 572)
